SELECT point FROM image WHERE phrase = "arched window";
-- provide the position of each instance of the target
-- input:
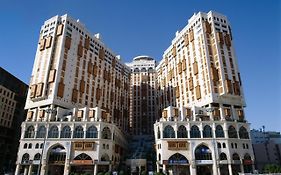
(41, 145)
(247, 157)
(159, 157)
(223, 156)
(158, 133)
(195, 132)
(83, 156)
(178, 158)
(41, 132)
(78, 132)
(25, 146)
(37, 146)
(29, 145)
(37, 156)
(53, 132)
(92, 132)
(25, 158)
(202, 152)
(105, 157)
(207, 132)
(106, 133)
(29, 133)
(65, 132)
(243, 133)
(182, 133)
(219, 132)
(232, 133)
(168, 132)
(223, 145)
(219, 145)
(235, 156)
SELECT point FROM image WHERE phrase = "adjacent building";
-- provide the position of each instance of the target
(202, 129)
(267, 148)
(12, 98)
(74, 73)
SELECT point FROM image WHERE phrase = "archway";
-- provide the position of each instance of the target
(56, 160)
(82, 164)
(203, 157)
(178, 165)
(247, 163)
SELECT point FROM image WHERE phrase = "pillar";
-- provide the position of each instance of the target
(215, 168)
(25, 170)
(192, 168)
(43, 169)
(242, 168)
(30, 169)
(17, 169)
(164, 169)
(95, 169)
(110, 167)
(230, 169)
(66, 168)
(157, 167)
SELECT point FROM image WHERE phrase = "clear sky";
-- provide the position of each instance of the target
(146, 27)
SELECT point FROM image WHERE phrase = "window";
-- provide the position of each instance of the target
(235, 156)
(25, 159)
(29, 133)
(223, 156)
(25, 146)
(219, 145)
(168, 132)
(158, 134)
(207, 132)
(195, 132)
(106, 133)
(66, 132)
(243, 133)
(37, 156)
(41, 145)
(92, 132)
(232, 133)
(54, 132)
(223, 145)
(37, 146)
(41, 132)
(78, 132)
(182, 133)
(202, 152)
(219, 132)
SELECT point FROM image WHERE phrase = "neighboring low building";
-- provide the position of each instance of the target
(12, 99)
(267, 148)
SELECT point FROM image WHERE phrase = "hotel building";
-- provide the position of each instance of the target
(202, 129)
(78, 103)
(82, 99)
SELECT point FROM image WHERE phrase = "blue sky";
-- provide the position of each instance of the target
(146, 27)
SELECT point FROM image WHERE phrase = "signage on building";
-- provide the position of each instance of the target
(177, 162)
(247, 162)
(204, 162)
(82, 162)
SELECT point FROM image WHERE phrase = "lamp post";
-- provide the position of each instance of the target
(48, 111)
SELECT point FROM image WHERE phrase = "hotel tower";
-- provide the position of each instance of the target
(202, 129)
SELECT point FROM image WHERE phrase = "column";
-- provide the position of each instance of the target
(215, 168)
(17, 169)
(230, 169)
(30, 169)
(43, 168)
(157, 167)
(66, 168)
(192, 168)
(95, 169)
(242, 168)
(25, 170)
(164, 168)
(110, 167)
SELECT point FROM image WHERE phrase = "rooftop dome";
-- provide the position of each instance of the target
(142, 57)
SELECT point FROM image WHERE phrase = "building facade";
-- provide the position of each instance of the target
(143, 99)
(12, 98)
(72, 69)
(267, 148)
(202, 129)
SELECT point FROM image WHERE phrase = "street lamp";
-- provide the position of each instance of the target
(48, 111)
